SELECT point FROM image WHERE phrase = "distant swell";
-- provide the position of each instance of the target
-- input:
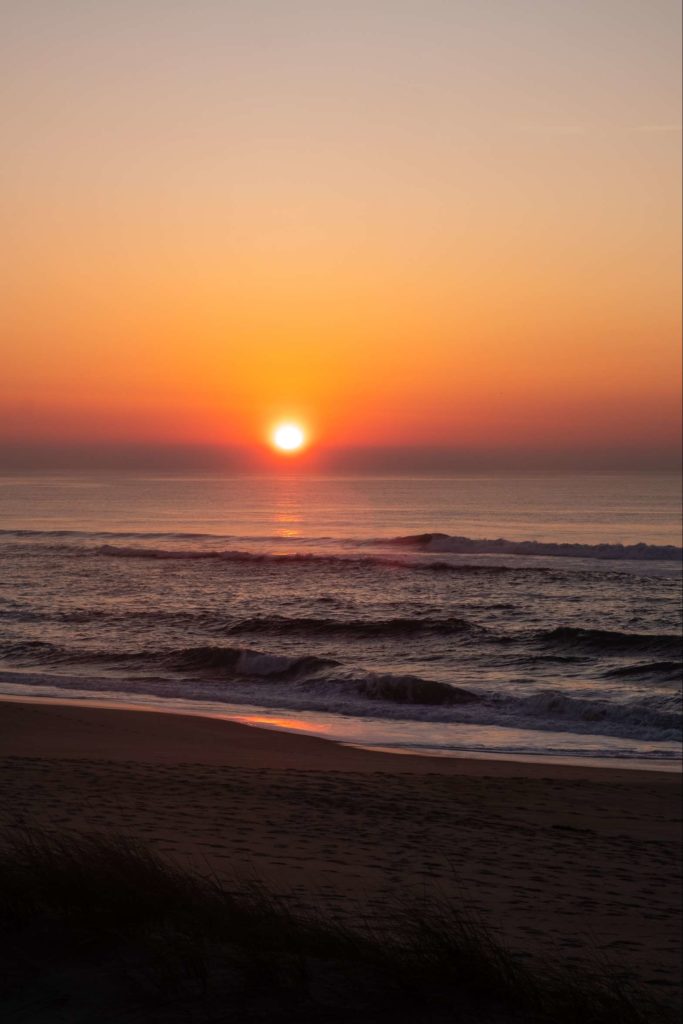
(670, 671)
(442, 542)
(361, 628)
(602, 641)
(304, 558)
(431, 543)
(217, 623)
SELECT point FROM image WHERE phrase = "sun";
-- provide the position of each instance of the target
(288, 437)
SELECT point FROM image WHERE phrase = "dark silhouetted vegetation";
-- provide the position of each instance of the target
(100, 929)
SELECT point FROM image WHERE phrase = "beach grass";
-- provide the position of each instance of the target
(100, 927)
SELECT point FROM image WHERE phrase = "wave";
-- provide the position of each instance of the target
(566, 645)
(403, 689)
(123, 534)
(433, 542)
(443, 542)
(303, 558)
(226, 664)
(218, 623)
(244, 675)
(36, 652)
(664, 671)
(603, 641)
(362, 628)
(647, 715)
(238, 661)
(225, 661)
(290, 558)
(397, 698)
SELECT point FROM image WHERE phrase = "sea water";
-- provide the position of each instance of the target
(500, 614)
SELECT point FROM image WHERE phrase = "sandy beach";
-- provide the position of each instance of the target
(557, 859)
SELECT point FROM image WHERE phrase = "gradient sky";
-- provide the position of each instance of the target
(405, 222)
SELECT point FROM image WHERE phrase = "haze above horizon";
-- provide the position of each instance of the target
(434, 234)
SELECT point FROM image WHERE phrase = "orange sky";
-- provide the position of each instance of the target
(399, 222)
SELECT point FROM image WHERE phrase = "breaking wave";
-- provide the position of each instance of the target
(241, 675)
(239, 661)
(225, 664)
(647, 717)
(442, 542)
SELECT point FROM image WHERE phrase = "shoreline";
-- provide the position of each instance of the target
(469, 762)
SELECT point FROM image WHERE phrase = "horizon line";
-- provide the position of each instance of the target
(399, 460)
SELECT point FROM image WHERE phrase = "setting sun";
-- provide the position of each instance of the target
(288, 437)
(341, 417)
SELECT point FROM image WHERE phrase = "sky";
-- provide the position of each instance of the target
(409, 225)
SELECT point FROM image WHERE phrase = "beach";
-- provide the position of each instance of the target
(558, 860)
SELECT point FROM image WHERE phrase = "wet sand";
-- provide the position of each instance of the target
(557, 859)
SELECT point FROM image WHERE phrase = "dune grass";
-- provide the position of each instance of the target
(101, 928)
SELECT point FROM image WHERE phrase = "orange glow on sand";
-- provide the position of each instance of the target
(280, 722)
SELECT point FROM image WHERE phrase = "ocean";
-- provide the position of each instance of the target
(529, 615)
